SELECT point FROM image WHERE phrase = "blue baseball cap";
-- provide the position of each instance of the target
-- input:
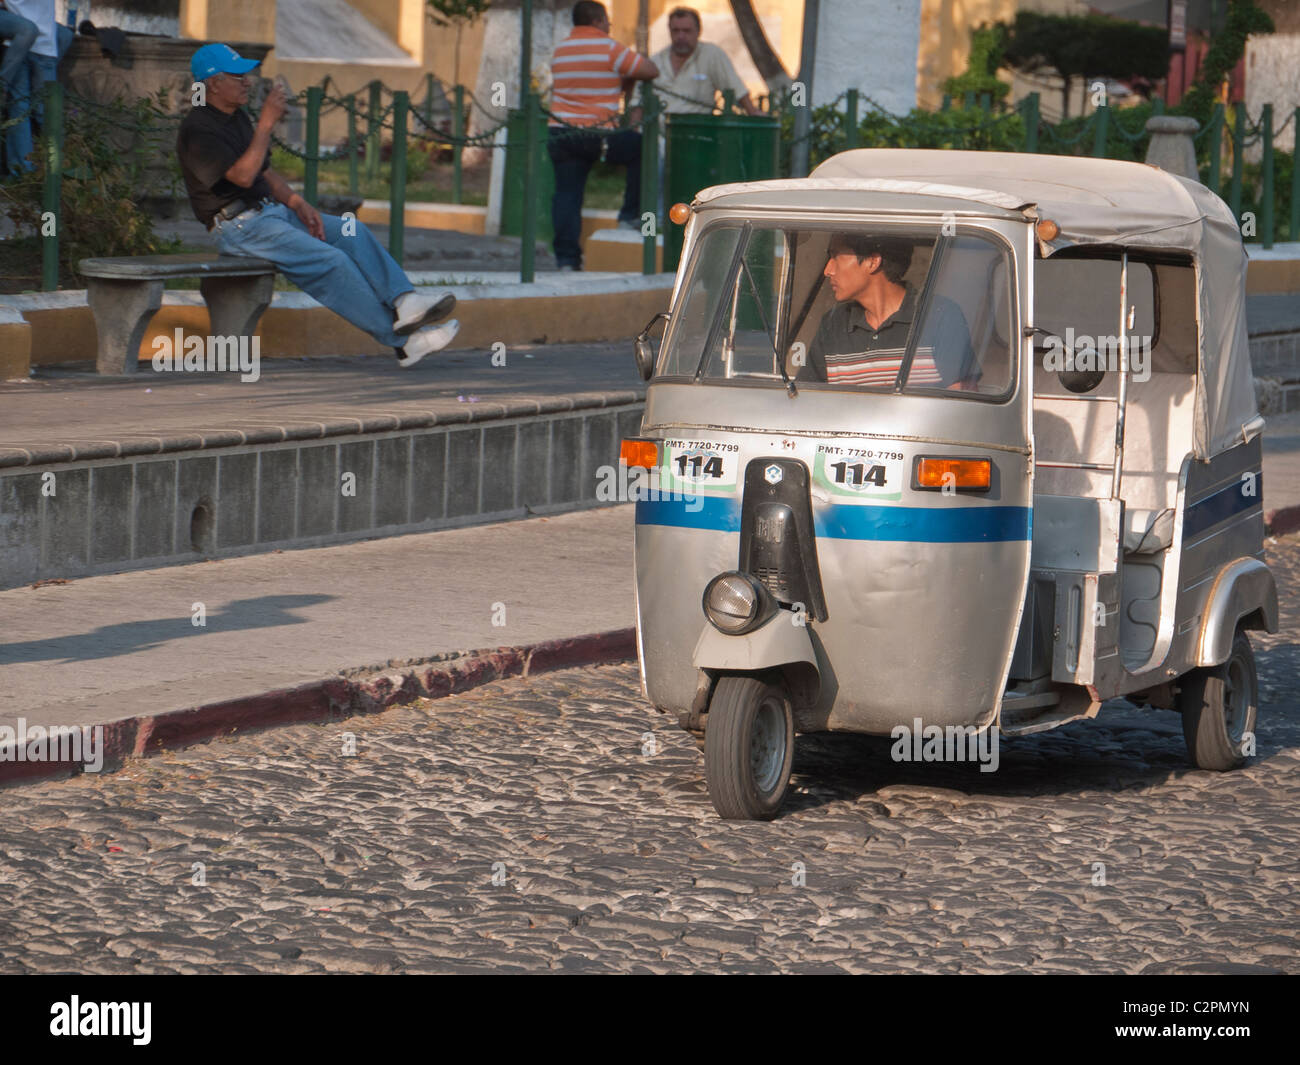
(219, 59)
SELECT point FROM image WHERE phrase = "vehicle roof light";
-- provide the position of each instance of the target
(1047, 230)
(679, 213)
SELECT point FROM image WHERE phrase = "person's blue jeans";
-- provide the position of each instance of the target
(351, 275)
(27, 98)
(573, 155)
(20, 34)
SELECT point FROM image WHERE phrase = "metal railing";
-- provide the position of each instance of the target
(850, 121)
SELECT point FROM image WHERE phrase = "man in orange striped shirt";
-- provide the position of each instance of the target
(589, 73)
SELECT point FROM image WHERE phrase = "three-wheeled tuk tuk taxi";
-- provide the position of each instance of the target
(949, 440)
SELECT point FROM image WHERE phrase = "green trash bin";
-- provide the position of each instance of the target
(513, 196)
(704, 150)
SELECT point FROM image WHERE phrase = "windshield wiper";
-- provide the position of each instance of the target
(733, 271)
(758, 302)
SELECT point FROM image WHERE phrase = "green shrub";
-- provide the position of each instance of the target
(111, 155)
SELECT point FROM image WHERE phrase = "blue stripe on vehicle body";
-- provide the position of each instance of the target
(1226, 503)
(947, 525)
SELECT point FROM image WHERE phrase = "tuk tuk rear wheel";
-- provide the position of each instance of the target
(748, 748)
(1219, 707)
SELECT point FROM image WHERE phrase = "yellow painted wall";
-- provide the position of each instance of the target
(944, 52)
(228, 20)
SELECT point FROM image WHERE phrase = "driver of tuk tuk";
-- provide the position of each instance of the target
(862, 339)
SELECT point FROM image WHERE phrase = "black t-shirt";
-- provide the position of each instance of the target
(208, 144)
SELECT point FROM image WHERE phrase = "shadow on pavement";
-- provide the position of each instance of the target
(127, 637)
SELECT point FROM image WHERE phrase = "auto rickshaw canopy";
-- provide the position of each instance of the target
(1098, 202)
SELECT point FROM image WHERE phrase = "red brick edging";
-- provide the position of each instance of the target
(1282, 521)
(334, 698)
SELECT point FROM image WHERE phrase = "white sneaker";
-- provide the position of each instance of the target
(429, 339)
(415, 309)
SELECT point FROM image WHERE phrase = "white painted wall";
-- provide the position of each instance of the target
(1273, 77)
(871, 46)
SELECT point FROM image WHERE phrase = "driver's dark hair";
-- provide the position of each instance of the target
(895, 253)
(587, 12)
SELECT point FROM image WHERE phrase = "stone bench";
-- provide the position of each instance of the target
(124, 293)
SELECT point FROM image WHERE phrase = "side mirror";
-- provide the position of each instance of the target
(644, 349)
(1080, 381)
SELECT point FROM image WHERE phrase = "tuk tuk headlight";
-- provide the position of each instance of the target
(735, 603)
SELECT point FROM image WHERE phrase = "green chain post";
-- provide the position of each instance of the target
(528, 234)
(1238, 159)
(1158, 105)
(728, 101)
(311, 164)
(373, 131)
(1266, 200)
(649, 174)
(353, 177)
(428, 101)
(851, 119)
(986, 103)
(1031, 122)
(1216, 151)
(53, 193)
(968, 100)
(458, 131)
(947, 102)
(397, 204)
(1099, 134)
(1294, 233)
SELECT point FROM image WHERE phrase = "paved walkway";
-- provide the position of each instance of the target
(101, 649)
(70, 407)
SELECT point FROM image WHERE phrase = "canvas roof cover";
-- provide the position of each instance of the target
(1095, 202)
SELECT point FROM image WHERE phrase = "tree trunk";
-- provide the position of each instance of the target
(765, 59)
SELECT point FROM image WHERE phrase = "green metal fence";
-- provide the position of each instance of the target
(378, 115)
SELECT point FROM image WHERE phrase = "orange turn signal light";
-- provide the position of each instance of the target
(1047, 230)
(953, 473)
(679, 213)
(643, 453)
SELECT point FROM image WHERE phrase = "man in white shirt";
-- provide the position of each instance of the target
(691, 73)
(27, 88)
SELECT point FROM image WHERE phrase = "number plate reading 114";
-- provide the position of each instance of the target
(859, 475)
(702, 465)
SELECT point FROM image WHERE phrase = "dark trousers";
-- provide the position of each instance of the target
(573, 154)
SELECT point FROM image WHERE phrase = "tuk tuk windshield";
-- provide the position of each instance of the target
(887, 309)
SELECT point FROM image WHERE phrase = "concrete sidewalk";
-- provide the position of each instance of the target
(104, 649)
(64, 408)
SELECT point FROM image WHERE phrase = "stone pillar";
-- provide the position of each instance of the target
(1171, 147)
(871, 46)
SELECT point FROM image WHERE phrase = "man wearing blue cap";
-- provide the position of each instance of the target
(251, 209)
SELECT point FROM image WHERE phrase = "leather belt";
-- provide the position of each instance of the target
(235, 208)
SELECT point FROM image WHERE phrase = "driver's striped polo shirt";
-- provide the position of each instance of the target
(587, 73)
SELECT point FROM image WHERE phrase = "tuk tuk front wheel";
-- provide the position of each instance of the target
(748, 748)
(1219, 707)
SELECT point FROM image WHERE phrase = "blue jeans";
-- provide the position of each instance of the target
(351, 275)
(27, 90)
(573, 155)
(21, 34)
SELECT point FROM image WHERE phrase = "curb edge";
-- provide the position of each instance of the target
(333, 698)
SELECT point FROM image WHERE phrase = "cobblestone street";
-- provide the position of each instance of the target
(560, 823)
